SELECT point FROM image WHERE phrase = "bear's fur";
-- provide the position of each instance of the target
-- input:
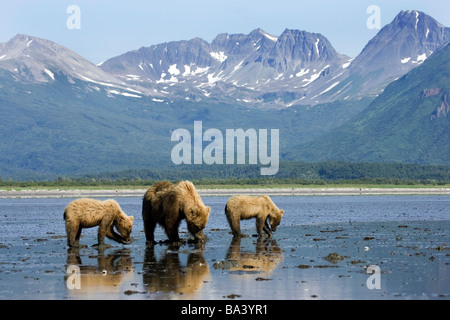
(247, 207)
(168, 204)
(88, 213)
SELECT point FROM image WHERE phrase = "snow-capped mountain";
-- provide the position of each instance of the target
(38, 60)
(398, 47)
(257, 69)
(297, 67)
(407, 41)
(34, 60)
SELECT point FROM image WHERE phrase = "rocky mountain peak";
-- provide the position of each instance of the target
(400, 46)
(32, 59)
(420, 25)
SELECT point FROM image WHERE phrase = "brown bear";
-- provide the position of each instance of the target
(246, 207)
(168, 204)
(88, 213)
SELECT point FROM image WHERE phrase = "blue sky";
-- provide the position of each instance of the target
(112, 27)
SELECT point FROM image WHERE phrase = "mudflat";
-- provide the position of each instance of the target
(382, 247)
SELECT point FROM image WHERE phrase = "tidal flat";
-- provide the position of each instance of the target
(326, 248)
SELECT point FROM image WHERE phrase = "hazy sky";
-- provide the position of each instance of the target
(112, 27)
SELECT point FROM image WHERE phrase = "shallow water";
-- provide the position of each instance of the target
(406, 237)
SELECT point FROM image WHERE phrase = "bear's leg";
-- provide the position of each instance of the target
(70, 236)
(103, 228)
(77, 238)
(149, 230)
(78, 233)
(260, 226)
(73, 234)
(267, 228)
(235, 225)
(171, 229)
(111, 234)
(172, 233)
(234, 222)
(149, 221)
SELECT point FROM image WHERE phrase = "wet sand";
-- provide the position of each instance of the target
(74, 193)
(325, 261)
(405, 239)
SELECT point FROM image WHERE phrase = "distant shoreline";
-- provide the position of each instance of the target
(319, 191)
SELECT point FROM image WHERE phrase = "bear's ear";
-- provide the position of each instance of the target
(131, 218)
(281, 211)
(208, 208)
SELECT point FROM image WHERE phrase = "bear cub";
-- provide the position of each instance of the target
(88, 213)
(247, 207)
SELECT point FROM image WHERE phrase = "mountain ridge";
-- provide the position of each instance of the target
(258, 69)
(300, 67)
(26, 57)
(243, 67)
(408, 122)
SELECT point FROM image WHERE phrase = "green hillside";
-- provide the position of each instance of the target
(407, 123)
(72, 129)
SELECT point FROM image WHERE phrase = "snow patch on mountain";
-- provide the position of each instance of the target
(314, 77)
(126, 94)
(329, 88)
(50, 74)
(406, 60)
(421, 58)
(173, 70)
(219, 56)
(347, 64)
(302, 72)
(270, 37)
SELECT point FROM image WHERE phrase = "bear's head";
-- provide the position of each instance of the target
(276, 219)
(124, 225)
(196, 219)
(275, 214)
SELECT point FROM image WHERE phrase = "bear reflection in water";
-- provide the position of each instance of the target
(106, 276)
(169, 275)
(170, 270)
(265, 259)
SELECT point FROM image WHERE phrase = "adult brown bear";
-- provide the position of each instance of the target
(247, 207)
(88, 213)
(168, 204)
